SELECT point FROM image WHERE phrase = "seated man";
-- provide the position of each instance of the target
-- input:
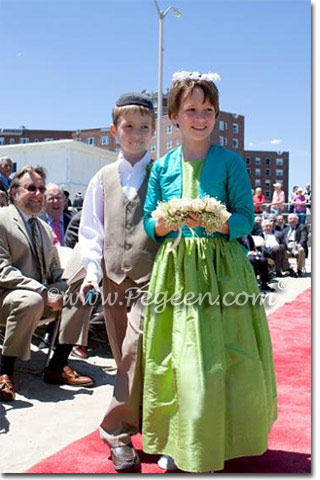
(259, 263)
(257, 229)
(280, 224)
(273, 219)
(28, 268)
(295, 237)
(71, 237)
(274, 248)
(54, 215)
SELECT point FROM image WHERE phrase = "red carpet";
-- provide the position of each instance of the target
(289, 445)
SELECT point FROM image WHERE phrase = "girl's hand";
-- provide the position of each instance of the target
(225, 228)
(193, 221)
(161, 229)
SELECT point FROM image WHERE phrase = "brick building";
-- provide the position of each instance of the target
(13, 136)
(264, 168)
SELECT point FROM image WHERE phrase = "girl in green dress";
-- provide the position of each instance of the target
(209, 385)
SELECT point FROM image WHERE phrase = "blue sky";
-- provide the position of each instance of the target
(64, 62)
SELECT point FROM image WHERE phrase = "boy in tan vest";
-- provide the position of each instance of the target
(116, 249)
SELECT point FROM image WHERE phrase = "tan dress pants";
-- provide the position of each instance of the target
(124, 323)
(21, 310)
(75, 318)
(300, 256)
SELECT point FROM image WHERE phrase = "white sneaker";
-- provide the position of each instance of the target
(167, 463)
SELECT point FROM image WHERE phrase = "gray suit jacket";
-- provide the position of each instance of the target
(18, 263)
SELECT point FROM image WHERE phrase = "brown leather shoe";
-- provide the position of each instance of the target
(7, 393)
(79, 351)
(124, 458)
(68, 376)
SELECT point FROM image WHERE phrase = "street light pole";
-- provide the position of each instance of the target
(162, 15)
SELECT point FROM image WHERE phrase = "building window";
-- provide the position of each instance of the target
(221, 141)
(279, 162)
(268, 183)
(258, 161)
(11, 141)
(24, 140)
(235, 128)
(48, 139)
(249, 171)
(1, 140)
(169, 144)
(169, 129)
(90, 141)
(223, 125)
(153, 148)
(257, 182)
(104, 140)
(279, 172)
(116, 150)
(117, 141)
(267, 161)
(235, 143)
(267, 172)
(267, 193)
(257, 172)
(248, 160)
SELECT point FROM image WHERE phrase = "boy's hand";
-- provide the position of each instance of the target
(52, 302)
(85, 287)
(55, 304)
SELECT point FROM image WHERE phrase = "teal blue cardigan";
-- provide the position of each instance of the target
(223, 176)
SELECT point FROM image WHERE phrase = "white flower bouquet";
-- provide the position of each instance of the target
(212, 213)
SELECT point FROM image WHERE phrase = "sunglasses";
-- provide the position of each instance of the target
(34, 189)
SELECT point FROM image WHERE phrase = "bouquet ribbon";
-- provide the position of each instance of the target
(178, 239)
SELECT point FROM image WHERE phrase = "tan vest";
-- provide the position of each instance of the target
(128, 252)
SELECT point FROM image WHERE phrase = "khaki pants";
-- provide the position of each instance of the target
(21, 311)
(75, 318)
(124, 323)
(299, 255)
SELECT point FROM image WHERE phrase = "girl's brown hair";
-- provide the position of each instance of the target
(179, 87)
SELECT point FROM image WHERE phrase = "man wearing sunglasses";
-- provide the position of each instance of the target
(28, 270)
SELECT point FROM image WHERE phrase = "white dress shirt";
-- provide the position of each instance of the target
(91, 231)
(270, 240)
(291, 235)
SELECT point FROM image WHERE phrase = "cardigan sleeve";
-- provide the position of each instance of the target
(151, 202)
(240, 203)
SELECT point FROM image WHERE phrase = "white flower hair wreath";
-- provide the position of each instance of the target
(183, 75)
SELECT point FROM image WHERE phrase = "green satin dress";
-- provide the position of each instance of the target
(209, 384)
